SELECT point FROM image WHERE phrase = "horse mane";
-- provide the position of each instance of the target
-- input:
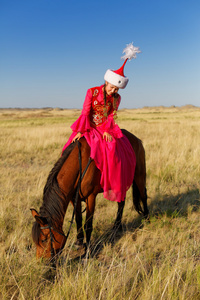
(53, 198)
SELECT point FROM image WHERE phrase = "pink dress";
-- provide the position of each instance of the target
(116, 160)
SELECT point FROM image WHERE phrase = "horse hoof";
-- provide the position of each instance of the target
(78, 244)
(147, 217)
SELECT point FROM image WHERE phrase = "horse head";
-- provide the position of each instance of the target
(49, 240)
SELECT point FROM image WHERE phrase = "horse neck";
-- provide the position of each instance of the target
(62, 186)
(57, 191)
(68, 175)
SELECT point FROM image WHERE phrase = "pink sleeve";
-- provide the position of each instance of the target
(87, 103)
(82, 124)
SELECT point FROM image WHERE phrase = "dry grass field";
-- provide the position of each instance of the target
(159, 259)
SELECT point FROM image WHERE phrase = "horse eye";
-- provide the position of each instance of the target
(44, 241)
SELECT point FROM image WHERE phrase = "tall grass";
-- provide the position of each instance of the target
(159, 259)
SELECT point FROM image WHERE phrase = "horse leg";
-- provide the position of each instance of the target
(80, 234)
(118, 221)
(90, 207)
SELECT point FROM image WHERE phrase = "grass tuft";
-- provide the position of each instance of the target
(154, 259)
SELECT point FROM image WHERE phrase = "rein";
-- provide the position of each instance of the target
(78, 189)
(79, 184)
(52, 237)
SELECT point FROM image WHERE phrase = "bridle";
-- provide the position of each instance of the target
(78, 189)
(52, 238)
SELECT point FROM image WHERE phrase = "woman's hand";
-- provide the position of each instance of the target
(107, 136)
(77, 137)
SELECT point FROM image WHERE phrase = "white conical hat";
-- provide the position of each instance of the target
(117, 77)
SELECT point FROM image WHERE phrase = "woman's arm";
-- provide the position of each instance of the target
(87, 103)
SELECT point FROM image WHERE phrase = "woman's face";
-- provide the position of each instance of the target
(110, 89)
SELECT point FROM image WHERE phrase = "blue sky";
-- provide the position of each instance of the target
(52, 51)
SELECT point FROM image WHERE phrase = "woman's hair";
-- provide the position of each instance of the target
(115, 96)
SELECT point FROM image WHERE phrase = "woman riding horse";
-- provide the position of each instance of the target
(110, 148)
(118, 161)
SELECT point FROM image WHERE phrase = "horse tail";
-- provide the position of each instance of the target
(139, 183)
(136, 198)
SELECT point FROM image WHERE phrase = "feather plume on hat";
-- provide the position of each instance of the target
(130, 52)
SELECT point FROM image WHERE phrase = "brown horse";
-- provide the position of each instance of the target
(61, 188)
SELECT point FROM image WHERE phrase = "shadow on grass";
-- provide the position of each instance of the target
(171, 206)
(175, 206)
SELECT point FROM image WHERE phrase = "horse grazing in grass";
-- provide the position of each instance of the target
(61, 188)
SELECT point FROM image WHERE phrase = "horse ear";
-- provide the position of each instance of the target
(34, 212)
(41, 220)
